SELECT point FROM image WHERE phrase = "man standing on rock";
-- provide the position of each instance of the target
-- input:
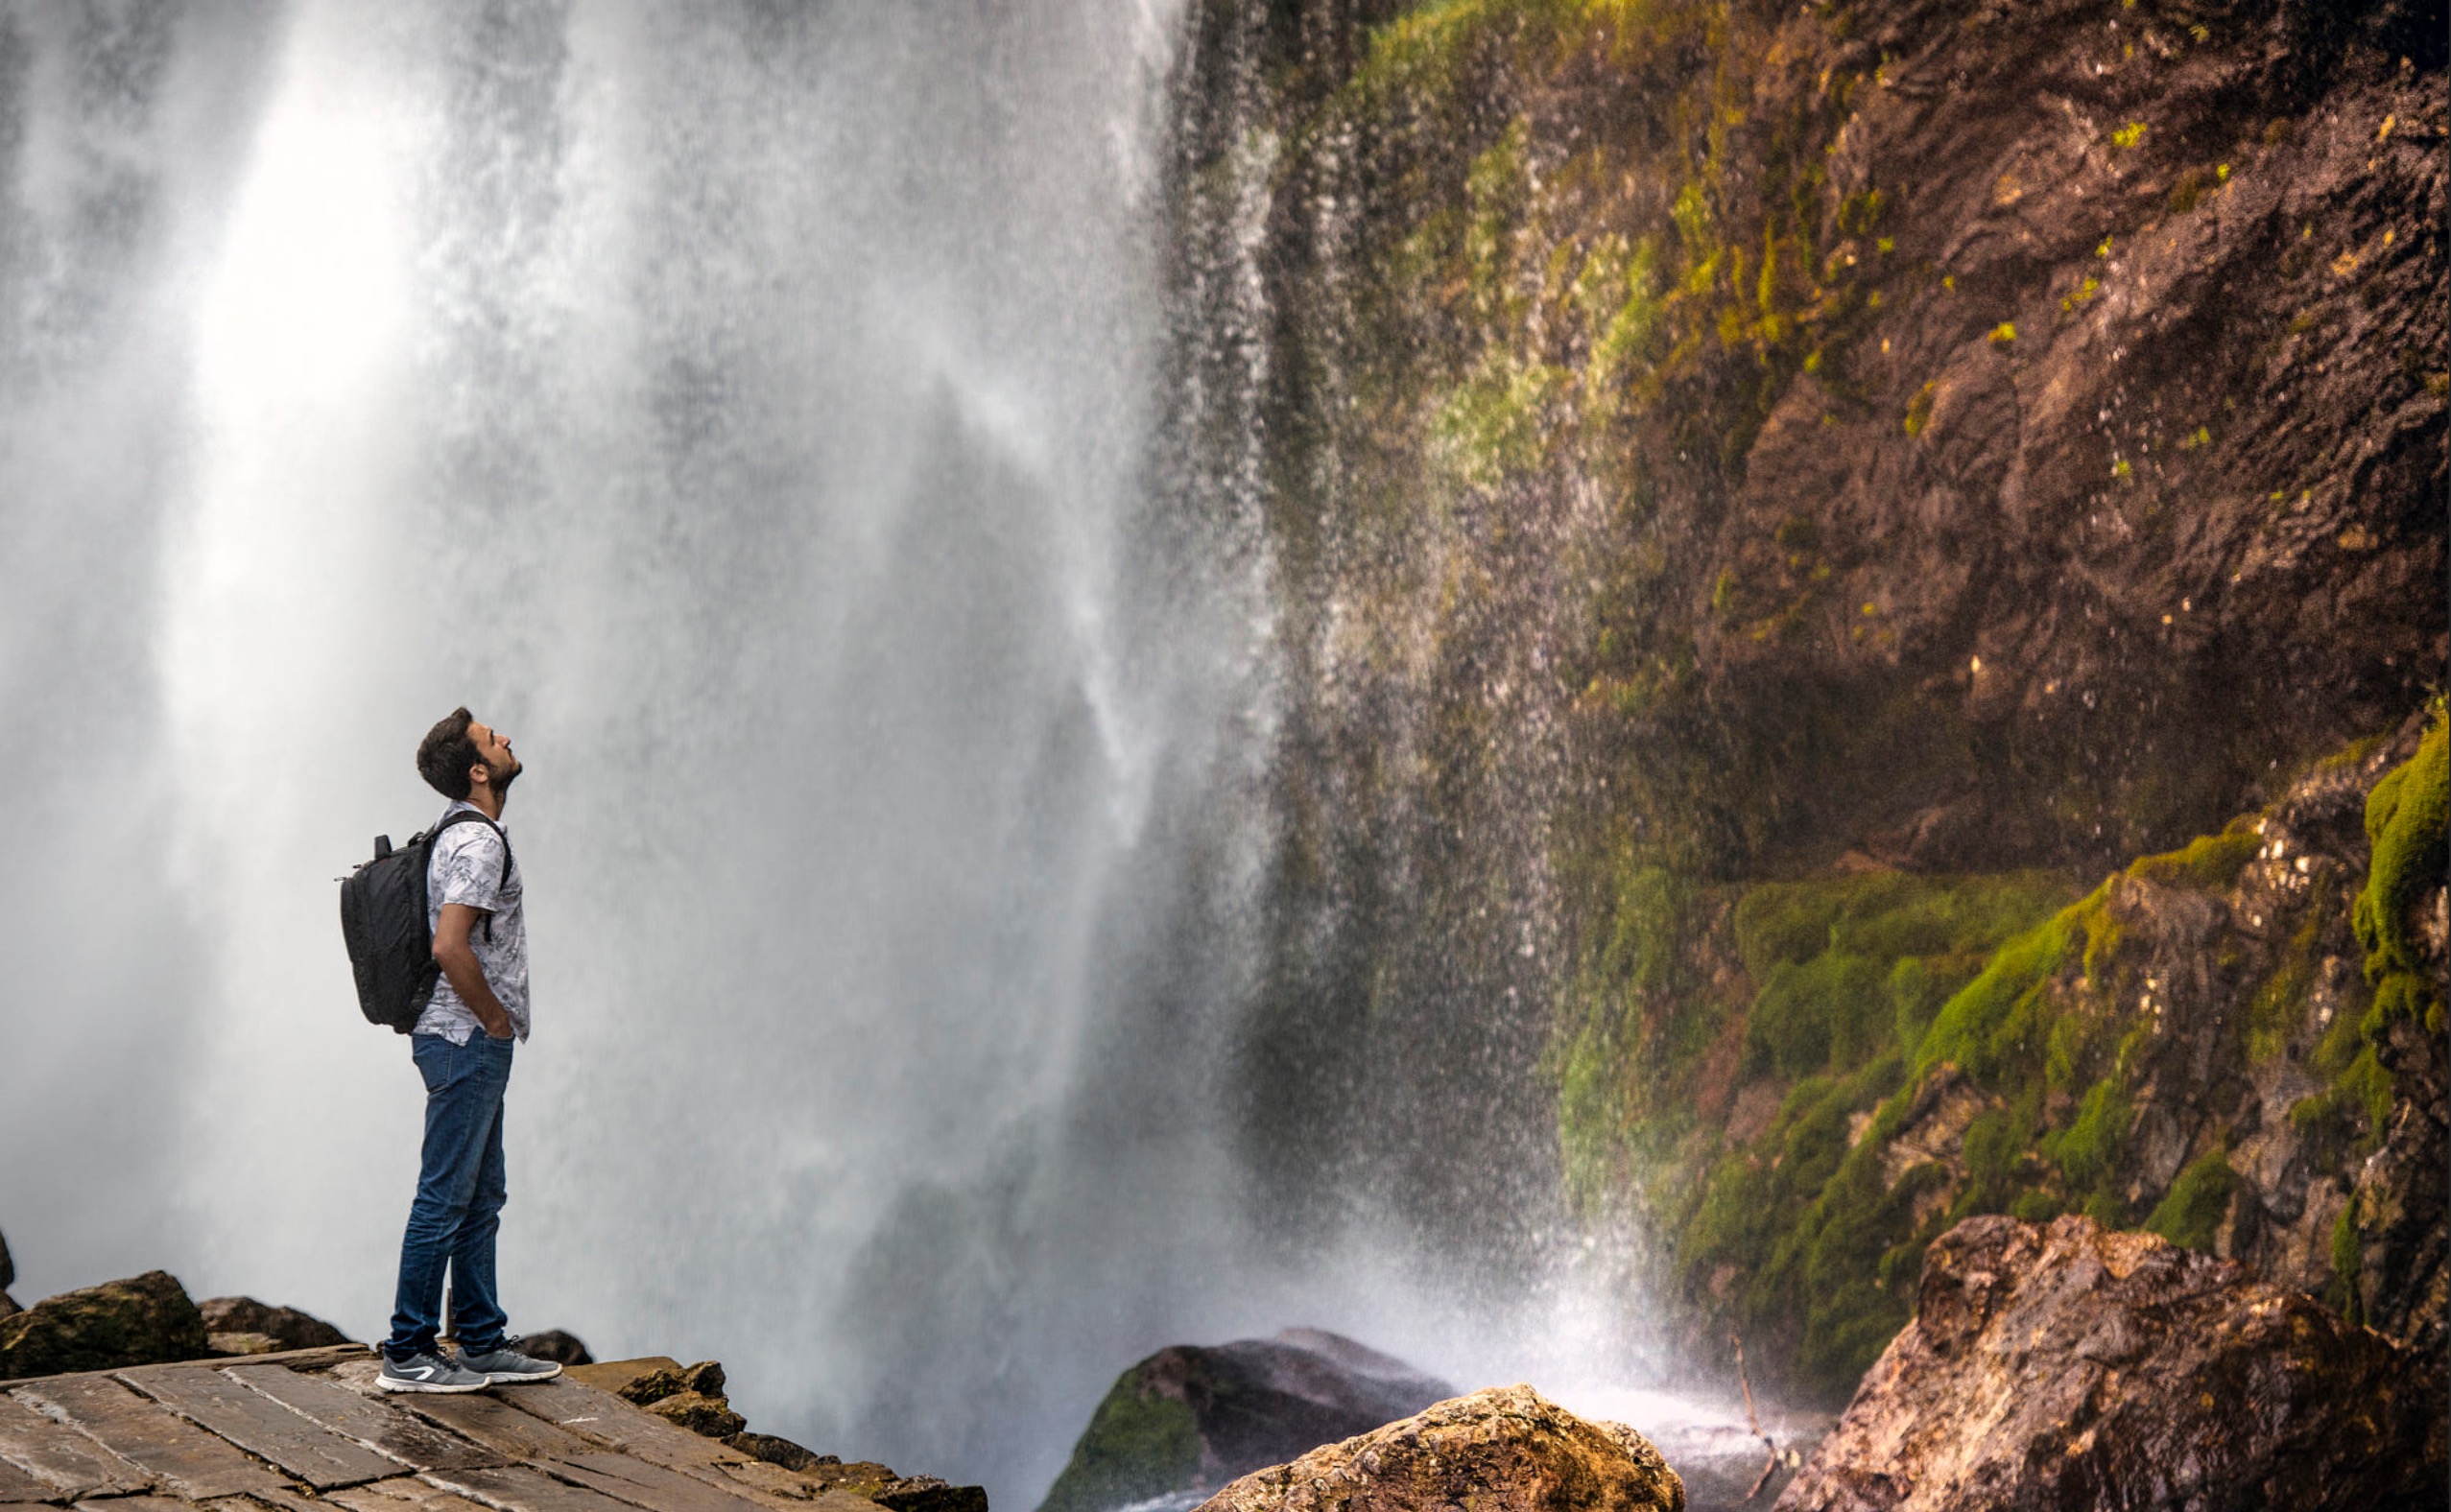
(463, 1045)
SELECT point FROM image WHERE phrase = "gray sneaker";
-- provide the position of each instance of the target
(506, 1366)
(427, 1373)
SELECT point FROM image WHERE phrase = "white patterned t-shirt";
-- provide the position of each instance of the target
(466, 867)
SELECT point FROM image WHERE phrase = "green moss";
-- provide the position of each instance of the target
(1138, 1445)
(2348, 1259)
(1832, 1011)
(2207, 863)
(2036, 1207)
(1994, 1023)
(2191, 1212)
(1918, 409)
(2405, 821)
(2107, 1210)
(2089, 1150)
(2279, 1006)
(1498, 423)
(1917, 986)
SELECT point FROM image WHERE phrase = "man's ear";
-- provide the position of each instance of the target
(480, 775)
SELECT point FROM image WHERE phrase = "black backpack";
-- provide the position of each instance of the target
(383, 909)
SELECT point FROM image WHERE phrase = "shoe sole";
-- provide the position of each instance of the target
(387, 1383)
(507, 1378)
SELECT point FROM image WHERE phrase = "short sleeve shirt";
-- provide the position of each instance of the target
(466, 867)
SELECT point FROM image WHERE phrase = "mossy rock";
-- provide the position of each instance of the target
(1189, 1416)
(143, 1320)
(1139, 1444)
(2407, 817)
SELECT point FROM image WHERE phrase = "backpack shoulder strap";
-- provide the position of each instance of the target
(467, 816)
(472, 816)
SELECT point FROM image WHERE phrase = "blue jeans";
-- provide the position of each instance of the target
(458, 1209)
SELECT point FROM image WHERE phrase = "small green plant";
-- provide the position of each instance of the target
(2003, 334)
(2347, 1259)
(2190, 1213)
(1918, 409)
(2128, 135)
(2089, 1151)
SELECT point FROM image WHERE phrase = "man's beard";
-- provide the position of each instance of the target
(503, 777)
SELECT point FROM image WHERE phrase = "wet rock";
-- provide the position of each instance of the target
(287, 1328)
(2398, 1207)
(139, 1321)
(705, 1379)
(928, 1494)
(776, 1450)
(862, 1477)
(1502, 1449)
(700, 1413)
(2072, 1366)
(554, 1344)
(1191, 1417)
(618, 1375)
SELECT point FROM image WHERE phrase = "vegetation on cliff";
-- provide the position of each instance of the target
(1776, 507)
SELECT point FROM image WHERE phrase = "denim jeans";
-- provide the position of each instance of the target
(458, 1209)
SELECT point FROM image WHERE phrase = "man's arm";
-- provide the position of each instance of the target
(459, 962)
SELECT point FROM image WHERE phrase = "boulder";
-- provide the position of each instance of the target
(776, 1450)
(554, 1344)
(7, 1278)
(616, 1375)
(140, 1321)
(1191, 1417)
(864, 1478)
(1504, 1450)
(700, 1413)
(2074, 1366)
(929, 1494)
(253, 1321)
(704, 1378)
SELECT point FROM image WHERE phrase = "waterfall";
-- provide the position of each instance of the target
(747, 409)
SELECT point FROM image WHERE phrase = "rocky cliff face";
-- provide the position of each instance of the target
(1770, 506)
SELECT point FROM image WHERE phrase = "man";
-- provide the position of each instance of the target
(463, 1045)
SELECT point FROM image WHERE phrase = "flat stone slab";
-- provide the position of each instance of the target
(308, 1430)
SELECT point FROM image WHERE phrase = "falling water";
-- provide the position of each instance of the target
(757, 412)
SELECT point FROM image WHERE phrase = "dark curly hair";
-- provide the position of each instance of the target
(447, 753)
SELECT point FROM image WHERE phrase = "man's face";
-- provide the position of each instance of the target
(495, 747)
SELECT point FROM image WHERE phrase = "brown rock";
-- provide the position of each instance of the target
(700, 1413)
(287, 1327)
(140, 1321)
(704, 1378)
(1503, 1450)
(776, 1450)
(928, 1494)
(2072, 1366)
(617, 1374)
